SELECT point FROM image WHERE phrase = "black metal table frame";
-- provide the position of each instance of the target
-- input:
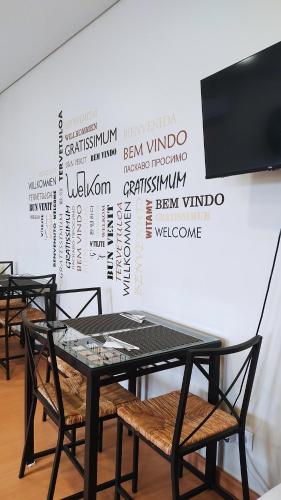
(135, 367)
(9, 281)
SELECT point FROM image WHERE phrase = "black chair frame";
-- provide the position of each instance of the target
(9, 266)
(52, 308)
(56, 410)
(180, 448)
(56, 415)
(28, 294)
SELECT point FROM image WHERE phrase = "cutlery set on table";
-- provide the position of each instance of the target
(98, 348)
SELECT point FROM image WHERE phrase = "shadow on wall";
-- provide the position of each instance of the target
(264, 199)
(263, 193)
(267, 401)
(108, 300)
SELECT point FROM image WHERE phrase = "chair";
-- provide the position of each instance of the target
(63, 398)
(24, 293)
(59, 305)
(6, 265)
(179, 423)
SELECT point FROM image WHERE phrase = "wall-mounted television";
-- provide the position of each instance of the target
(241, 107)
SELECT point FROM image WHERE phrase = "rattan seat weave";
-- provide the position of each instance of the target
(74, 398)
(68, 371)
(13, 304)
(32, 313)
(155, 419)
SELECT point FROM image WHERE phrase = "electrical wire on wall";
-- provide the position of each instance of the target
(253, 469)
(269, 282)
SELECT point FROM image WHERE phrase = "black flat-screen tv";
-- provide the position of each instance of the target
(241, 108)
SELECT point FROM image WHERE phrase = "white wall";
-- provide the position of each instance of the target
(141, 61)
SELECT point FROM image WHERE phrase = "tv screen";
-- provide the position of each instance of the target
(241, 107)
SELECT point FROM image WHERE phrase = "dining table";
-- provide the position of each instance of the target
(30, 289)
(123, 346)
(10, 282)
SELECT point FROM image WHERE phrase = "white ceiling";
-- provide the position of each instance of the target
(32, 29)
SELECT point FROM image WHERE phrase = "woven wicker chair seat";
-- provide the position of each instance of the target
(74, 398)
(33, 314)
(68, 371)
(14, 304)
(155, 419)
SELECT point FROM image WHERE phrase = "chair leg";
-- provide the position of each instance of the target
(56, 463)
(132, 387)
(175, 478)
(73, 441)
(180, 469)
(243, 466)
(118, 462)
(100, 435)
(7, 359)
(135, 464)
(21, 336)
(47, 379)
(25, 450)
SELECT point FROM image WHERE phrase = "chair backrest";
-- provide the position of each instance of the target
(73, 303)
(236, 394)
(29, 289)
(6, 267)
(44, 349)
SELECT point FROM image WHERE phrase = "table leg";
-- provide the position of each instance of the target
(7, 354)
(211, 449)
(28, 406)
(91, 437)
(132, 385)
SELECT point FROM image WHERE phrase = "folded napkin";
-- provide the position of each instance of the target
(118, 344)
(134, 317)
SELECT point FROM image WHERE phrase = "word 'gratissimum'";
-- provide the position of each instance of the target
(154, 184)
(93, 141)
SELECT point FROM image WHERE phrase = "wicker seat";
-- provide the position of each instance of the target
(179, 423)
(65, 369)
(68, 371)
(155, 419)
(74, 398)
(14, 304)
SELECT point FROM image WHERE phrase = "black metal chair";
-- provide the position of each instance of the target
(6, 267)
(50, 395)
(64, 302)
(60, 305)
(24, 293)
(180, 423)
(63, 399)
